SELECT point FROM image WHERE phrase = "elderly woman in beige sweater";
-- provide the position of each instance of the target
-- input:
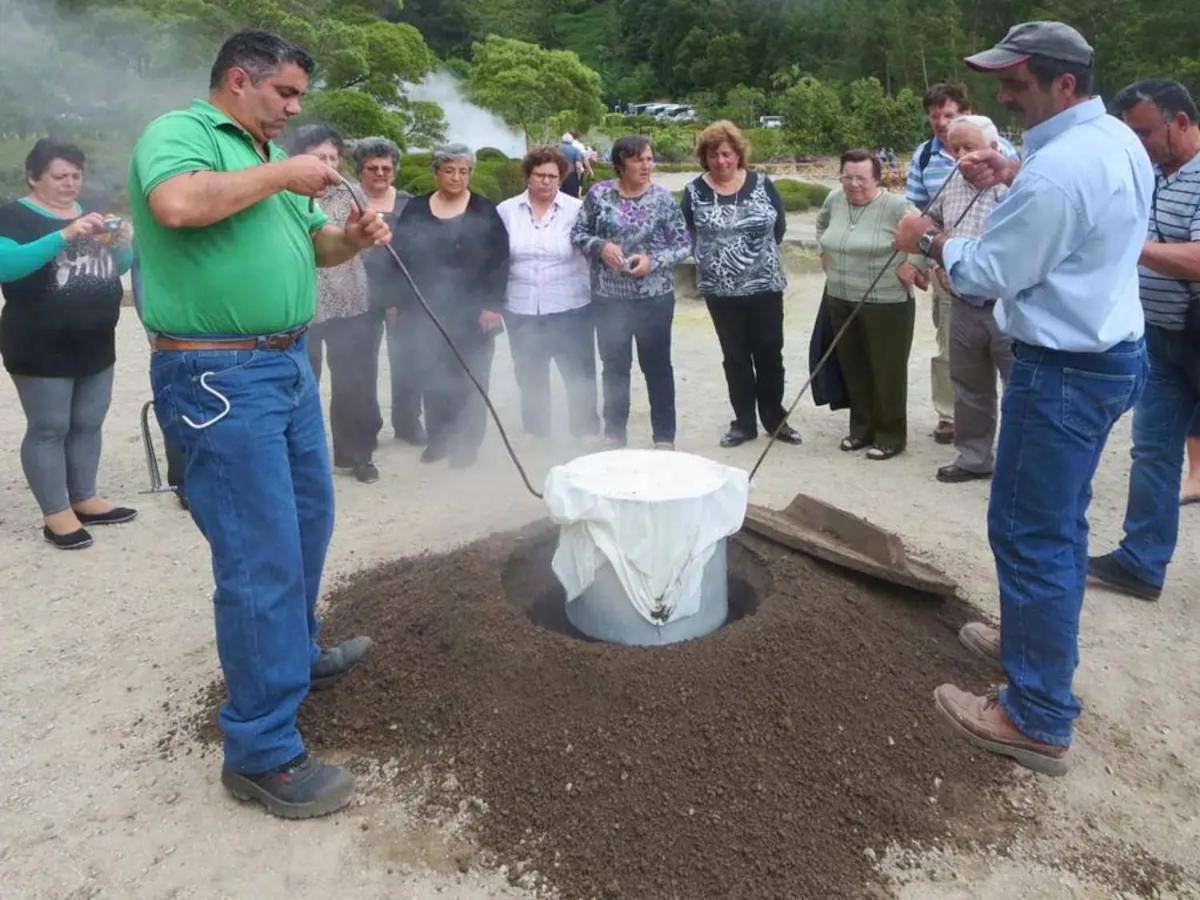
(855, 228)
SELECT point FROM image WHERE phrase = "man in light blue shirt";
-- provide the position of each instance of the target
(1060, 251)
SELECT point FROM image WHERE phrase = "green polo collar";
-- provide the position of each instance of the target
(222, 121)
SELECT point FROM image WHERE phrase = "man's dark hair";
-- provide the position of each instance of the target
(46, 151)
(629, 147)
(946, 92)
(306, 137)
(1170, 98)
(1045, 70)
(861, 154)
(261, 53)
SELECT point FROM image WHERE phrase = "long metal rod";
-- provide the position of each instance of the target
(845, 327)
(363, 206)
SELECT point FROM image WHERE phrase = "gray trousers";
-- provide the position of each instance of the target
(941, 382)
(978, 350)
(61, 450)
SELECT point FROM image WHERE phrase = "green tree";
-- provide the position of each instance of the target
(424, 123)
(744, 105)
(118, 63)
(812, 114)
(355, 114)
(525, 85)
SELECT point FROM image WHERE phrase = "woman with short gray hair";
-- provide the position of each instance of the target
(456, 248)
(367, 150)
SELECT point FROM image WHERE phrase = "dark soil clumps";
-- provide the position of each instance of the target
(763, 761)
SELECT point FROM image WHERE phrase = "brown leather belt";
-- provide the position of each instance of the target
(282, 341)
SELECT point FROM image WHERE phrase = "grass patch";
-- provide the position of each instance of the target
(799, 196)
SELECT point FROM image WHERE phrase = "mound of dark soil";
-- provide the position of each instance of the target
(763, 761)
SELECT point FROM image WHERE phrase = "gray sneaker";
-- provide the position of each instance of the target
(335, 662)
(982, 640)
(302, 789)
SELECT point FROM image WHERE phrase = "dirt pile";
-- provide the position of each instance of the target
(773, 759)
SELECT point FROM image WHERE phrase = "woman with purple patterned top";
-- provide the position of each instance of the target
(633, 234)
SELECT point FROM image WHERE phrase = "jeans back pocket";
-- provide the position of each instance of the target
(1093, 401)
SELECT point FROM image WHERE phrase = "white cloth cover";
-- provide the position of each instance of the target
(654, 515)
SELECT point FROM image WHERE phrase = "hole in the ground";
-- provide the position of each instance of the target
(530, 584)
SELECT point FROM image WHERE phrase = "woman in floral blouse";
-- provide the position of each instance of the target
(633, 234)
(345, 324)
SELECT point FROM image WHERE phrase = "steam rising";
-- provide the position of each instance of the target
(466, 122)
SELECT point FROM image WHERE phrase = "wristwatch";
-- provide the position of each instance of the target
(926, 243)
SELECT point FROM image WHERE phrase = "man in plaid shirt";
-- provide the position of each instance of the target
(978, 348)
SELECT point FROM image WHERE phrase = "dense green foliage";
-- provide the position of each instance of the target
(536, 90)
(840, 72)
(105, 67)
(799, 196)
(745, 58)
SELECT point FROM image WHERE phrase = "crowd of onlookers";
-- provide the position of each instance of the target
(1072, 273)
(569, 279)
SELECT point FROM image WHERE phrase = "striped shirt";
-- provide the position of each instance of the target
(1174, 219)
(922, 184)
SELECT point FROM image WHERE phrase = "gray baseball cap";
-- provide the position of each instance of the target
(1055, 40)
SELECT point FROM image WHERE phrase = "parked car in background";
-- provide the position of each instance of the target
(770, 121)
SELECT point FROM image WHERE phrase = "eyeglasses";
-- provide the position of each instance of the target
(855, 179)
(379, 170)
(544, 176)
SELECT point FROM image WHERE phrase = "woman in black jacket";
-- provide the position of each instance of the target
(456, 248)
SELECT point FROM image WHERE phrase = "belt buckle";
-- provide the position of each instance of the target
(282, 340)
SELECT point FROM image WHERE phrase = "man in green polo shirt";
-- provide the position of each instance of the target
(229, 239)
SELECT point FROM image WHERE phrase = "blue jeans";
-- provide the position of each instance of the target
(620, 323)
(1161, 422)
(1057, 412)
(258, 484)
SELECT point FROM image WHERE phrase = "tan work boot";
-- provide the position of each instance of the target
(982, 640)
(985, 724)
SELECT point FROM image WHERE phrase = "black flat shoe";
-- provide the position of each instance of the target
(114, 516)
(432, 454)
(366, 473)
(879, 454)
(736, 436)
(76, 540)
(850, 444)
(789, 435)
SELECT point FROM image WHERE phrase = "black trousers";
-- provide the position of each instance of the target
(750, 330)
(403, 368)
(352, 348)
(569, 339)
(455, 417)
